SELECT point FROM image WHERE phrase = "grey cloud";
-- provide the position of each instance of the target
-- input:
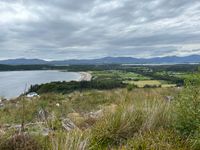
(63, 29)
(158, 39)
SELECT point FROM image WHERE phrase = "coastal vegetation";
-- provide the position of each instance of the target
(117, 109)
(101, 119)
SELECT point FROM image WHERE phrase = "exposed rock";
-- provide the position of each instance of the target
(68, 124)
(106, 109)
(57, 104)
(169, 98)
(2, 132)
(42, 115)
(18, 126)
(96, 114)
(45, 131)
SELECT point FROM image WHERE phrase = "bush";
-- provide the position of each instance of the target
(187, 111)
(130, 87)
(187, 108)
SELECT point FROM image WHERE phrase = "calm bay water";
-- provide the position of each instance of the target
(13, 83)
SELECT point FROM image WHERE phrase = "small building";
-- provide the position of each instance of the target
(2, 100)
(32, 94)
(1, 105)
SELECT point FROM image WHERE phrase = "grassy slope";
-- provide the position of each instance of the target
(128, 116)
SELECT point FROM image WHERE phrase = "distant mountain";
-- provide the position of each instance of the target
(107, 60)
(23, 61)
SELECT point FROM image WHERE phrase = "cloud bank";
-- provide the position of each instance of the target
(83, 29)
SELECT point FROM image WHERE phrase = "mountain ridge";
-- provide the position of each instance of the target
(106, 60)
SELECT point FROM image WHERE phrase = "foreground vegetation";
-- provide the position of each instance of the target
(152, 118)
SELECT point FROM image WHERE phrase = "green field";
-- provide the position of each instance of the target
(121, 75)
(143, 83)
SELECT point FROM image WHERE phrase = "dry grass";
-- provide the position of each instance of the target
(74, 140)
(129, 119)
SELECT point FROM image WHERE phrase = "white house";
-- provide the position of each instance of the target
(1, 105)
(32, 94)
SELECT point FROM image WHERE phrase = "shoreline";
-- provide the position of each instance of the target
(85, 76)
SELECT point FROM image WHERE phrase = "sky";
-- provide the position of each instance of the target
(86, 29)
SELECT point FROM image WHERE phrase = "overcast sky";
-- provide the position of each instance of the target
(66, 29)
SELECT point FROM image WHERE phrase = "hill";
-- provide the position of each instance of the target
(23, 61)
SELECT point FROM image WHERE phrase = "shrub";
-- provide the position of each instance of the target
(187, 108)
(187, 111)
(130, 87)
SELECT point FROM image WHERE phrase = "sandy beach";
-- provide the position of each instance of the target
(85, 76)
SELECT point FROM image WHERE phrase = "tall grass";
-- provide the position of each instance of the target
(130, 118)
(116, 128)
(74, 140)
(141, 119)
